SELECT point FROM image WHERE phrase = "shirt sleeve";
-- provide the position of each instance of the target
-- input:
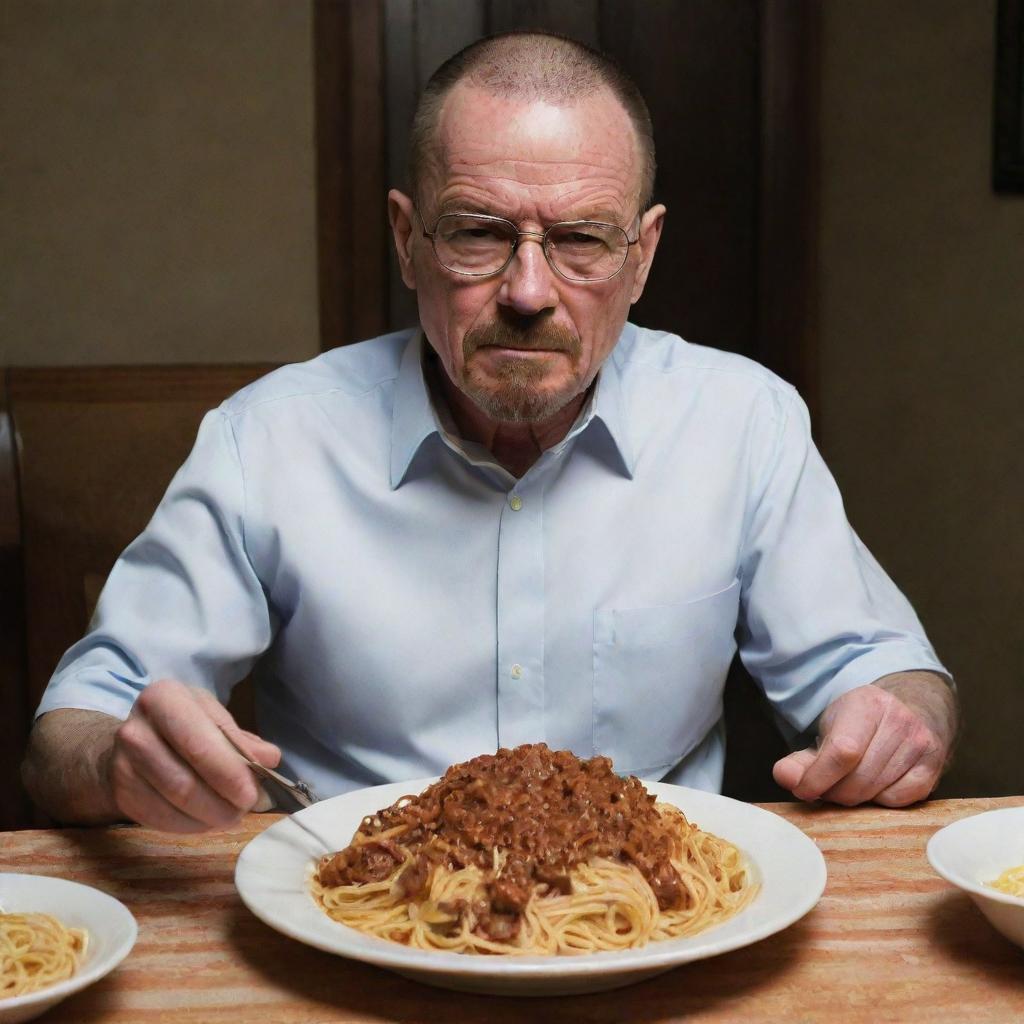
(182, 601)
(819, 615)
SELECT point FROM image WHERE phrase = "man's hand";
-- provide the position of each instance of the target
(887, 742)
(171, 767)
(168, 765)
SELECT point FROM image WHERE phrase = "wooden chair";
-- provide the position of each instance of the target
(85, 456)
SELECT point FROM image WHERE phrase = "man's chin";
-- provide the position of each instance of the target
(516, 402)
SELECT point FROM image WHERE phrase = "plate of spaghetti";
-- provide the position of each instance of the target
(530, 872)
(56, 937)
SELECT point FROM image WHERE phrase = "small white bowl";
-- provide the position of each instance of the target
(978, 849)
(111, 927)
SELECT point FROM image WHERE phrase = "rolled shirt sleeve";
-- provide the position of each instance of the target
(182, 601)
(819, 614)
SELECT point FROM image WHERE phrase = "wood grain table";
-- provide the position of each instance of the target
(889, 941)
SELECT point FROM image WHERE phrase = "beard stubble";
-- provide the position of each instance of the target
(516, 394)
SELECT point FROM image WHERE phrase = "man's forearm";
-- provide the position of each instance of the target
(66, 768)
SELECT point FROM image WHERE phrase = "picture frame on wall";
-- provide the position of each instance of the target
(1008, 106)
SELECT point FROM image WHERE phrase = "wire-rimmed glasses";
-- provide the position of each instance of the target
(479, 245)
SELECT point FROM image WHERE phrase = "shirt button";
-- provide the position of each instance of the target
(515, 502)
(517, 671)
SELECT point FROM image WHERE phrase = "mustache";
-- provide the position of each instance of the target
(530, 335)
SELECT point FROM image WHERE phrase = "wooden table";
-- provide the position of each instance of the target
(890, 941)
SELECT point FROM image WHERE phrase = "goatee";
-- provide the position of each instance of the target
(518, 394)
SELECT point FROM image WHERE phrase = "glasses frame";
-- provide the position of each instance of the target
(542, 241)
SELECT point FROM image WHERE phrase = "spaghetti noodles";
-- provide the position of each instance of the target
(1011, 881)
(530, 851)
(37, 950)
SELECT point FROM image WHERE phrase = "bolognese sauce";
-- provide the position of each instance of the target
(545, 811)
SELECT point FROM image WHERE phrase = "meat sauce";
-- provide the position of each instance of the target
(545, 811)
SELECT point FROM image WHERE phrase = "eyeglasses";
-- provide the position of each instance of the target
(478, 245)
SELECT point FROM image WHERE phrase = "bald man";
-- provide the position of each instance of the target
(526, 520)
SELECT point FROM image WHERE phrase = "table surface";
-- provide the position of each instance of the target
(889, 941)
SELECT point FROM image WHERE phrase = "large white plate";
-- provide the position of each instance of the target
(272, 871)
(110, 925)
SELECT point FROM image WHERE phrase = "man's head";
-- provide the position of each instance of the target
(528, 66)
(535, 130)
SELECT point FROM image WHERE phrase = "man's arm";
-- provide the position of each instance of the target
(888, 742)
(820, 616)
(66, 768)
(168, 765)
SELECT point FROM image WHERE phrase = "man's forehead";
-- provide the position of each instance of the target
(537, 143)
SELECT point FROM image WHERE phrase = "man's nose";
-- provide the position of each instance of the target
(529, 284)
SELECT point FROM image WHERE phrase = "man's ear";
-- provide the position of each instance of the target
(650, 232)
(400, 215)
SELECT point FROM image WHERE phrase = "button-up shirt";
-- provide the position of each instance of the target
(405, 603)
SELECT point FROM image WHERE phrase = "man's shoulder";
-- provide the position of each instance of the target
(643, 352)
(351, 370)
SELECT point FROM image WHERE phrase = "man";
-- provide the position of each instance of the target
(533, 521)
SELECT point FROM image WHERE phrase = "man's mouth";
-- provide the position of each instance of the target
(522, 350)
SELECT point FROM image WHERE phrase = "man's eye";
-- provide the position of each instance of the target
(473, 235)
(580, 240)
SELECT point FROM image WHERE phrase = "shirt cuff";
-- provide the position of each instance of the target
(86, 692)
(880, 661)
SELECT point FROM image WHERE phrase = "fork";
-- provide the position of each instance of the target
(301, 792)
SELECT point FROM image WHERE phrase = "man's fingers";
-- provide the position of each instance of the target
(138, 800)
(873, 747)
(265, 801)
(186, 726)
(255, 747)
(888, 756)
(166, 773)
(916, 785)
(268, 754)
(788, 771)
(839, 753)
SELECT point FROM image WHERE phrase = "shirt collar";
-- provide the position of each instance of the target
(609, 408)
(415, 419)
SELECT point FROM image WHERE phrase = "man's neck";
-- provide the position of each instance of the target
(515, 446)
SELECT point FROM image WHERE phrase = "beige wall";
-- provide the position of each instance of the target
(157, 190)
(922, 336)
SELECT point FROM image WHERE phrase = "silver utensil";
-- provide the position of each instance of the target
(301, 792)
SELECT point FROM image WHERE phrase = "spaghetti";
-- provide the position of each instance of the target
(1011, 881)
(531, 851)
(37, 950)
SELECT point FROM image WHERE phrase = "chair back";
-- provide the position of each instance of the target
(86, 454)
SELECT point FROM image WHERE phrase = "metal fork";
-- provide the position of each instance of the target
(301, 792)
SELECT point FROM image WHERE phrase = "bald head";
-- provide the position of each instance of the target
(529, 66)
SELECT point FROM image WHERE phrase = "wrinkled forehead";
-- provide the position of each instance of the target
(536, 144)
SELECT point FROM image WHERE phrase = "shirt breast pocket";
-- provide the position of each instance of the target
(658, 678)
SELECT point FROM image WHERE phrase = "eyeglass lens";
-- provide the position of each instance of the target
(581, 251)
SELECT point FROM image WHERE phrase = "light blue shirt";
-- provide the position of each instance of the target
(405, 603)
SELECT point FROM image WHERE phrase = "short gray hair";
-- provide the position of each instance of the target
(528, 66)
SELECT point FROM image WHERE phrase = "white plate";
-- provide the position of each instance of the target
(272, 870)
(110, 925)
(977, 849)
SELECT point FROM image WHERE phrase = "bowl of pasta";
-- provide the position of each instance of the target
(56, 938)
(984, 856)
(530, 872)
